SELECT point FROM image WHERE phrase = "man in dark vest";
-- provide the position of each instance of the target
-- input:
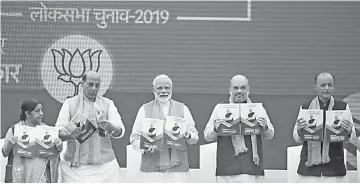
(159, 165)
(321, 160)
(233, 162)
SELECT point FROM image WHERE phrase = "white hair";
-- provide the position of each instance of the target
(162, 79)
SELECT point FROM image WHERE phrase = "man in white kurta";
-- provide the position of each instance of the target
(163, 90)
(93, 160)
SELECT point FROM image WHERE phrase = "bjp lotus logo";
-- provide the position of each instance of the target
(72, 66)
(66, 61)
(19, 168)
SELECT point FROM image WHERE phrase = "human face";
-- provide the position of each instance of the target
(324, 86)
(36, 115)
(91, 87)
(239, 91)
(163, 92)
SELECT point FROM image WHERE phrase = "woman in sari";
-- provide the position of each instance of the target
(29, 170)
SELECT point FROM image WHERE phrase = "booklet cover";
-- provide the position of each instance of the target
(333, 129)
(45, 136)
(152, 131)
(174, 131)
(25, 145)
(314, 131)
(249, 113)
(87, 128)
(230, 122)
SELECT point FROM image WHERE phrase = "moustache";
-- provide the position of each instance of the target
(239, 94)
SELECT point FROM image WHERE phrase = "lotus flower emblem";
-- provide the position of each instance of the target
(19, 168)
(73, 65)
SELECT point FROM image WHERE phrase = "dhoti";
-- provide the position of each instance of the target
(105, 173)
(241, 178)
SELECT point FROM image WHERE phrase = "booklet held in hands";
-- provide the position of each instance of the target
(229, 114)
(333, 129)
(249, 113)
(314, 130)
(25, 146)
(174, 131)
(152, 131)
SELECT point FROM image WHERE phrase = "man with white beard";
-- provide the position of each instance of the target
(176, 168)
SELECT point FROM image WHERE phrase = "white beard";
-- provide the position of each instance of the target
(163, 100)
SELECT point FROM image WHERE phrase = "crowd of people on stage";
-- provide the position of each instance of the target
(89, 154)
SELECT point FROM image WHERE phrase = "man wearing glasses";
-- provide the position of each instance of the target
(323, 160)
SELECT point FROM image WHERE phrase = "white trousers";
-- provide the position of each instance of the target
(166, 177)
(322, 179)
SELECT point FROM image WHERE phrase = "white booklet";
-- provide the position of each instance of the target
(249, 113)
(45, 137)
(152, 131)
(334, 131)
(174, 130)
(25, 145)
(229, 114)
(314, 130)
